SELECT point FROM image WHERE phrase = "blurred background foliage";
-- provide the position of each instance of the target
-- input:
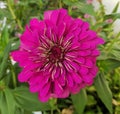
(101, 98)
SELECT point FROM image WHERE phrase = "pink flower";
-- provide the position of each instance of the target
(18, 34)
(58, 55)
(89, 1)
(16, 1)
(87, 16)
(109, 21)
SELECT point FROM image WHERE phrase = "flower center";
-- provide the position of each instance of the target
(55, 53)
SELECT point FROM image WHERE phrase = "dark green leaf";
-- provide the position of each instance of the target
(104, 92)
(29, 101)
(79, 101)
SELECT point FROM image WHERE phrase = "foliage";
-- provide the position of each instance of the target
(101, 98)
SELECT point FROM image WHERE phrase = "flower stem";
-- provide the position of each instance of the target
(13, 75)
(60, 3)
(113, 41)
(14, 16)
(51, 111)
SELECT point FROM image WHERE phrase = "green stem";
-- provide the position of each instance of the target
(14, 16)
(58, 110)
(51, 111)
(13, 75)
(113, 41)
(60, 3)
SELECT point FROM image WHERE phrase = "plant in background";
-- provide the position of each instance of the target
(58, 72)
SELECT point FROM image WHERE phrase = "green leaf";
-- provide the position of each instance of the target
(28, 112)
(79, 101)
(3, 104)
(16, 45)
(109, 65)
(69, 2)
(9, 101)
(4, 36)
(29, 101)
(113, 16)
(84, 8)
(104, 91)
(115, 54)
(89, 9)
(3, 65)
(116, 8)
(7, 104)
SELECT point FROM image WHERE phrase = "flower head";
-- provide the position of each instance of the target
(58, 55)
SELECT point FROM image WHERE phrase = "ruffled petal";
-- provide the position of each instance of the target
(55, 16)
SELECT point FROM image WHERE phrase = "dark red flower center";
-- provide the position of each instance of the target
(55, 53)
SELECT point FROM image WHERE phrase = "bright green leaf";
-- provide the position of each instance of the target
(79, 101)
(104, 92)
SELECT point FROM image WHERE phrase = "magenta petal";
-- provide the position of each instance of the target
(34, 88)
(61, 30)
(64, 94)
(35, 24)
(94, 71)
(47, 15)
(89, 63)
(100, 41)
(70, 80)
(62, 79)
(28, 39)
(20, 56)
(96, 53)
(75, 89)
(88, 78)
(44, 91)
(57, 72)
(24, 76)
(44, 98)
(83, 70)
(77, 78)
(57, 88)
(85, 53)
(55, 16)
